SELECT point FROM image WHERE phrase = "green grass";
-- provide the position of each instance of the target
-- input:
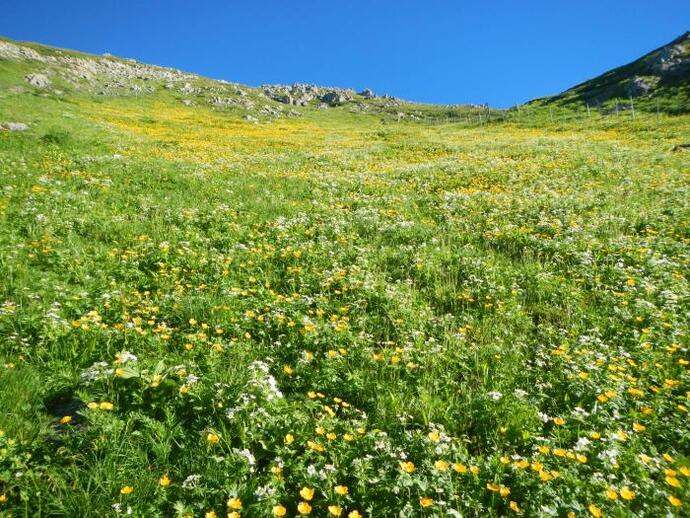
(508, 297)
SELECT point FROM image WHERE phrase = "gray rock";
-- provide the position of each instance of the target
(249, 118)
(637, 87)
(187, 102)
(285, 99)
(38, 80)
(333, 98)
(14, 126)
(367, 93)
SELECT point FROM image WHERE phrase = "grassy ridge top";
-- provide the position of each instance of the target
(337, 313)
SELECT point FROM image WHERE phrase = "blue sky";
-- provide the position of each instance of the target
(500, 52)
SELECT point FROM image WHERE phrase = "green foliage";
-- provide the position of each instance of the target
(447, 317)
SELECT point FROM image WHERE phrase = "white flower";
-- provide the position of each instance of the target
(495, 395)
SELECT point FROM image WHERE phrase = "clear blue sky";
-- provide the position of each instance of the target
(495, 51)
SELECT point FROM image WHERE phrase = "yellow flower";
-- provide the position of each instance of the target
(92, 405)
(595, 511)
(279, 510)
(3, 498)
(675, 502)
(685, 471)
(474, 470)
(434, 436)
(164, 481)
(66, 419)
(335, 510)
(315, 446)
(504, 491)
(289, 439)
(639, 427)
(595, 435)
(212, 438)
(307, 493)
(558, 421)
(341, 490)
(514, 506)
(233, 514)
(126, 490)
(425, 501)
(459, 467)
(105, 406)
(235, 503)
(626, 493)
(288, 370)
(407, 467)
(211, 514)
(611, 494)
(354, 514)
(672, 481)
(441, 465)
(303, 508)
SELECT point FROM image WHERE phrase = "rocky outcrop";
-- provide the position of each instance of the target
(38, 80)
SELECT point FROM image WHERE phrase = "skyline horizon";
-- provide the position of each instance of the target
(462, 65)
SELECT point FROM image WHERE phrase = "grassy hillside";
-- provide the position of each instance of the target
(341, 313)
(658, 81)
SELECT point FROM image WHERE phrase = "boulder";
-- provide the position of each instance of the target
(637, 87)
(367, 93)
(38, 80)
(333, 98)
(14, 126)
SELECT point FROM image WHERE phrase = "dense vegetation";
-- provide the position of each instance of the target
(340, 314)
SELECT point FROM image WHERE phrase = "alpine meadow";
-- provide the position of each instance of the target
(222, 301)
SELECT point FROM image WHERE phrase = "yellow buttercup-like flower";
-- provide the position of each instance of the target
(212, 438)
(441, 465)
(335, 510)
(126, 490)
(279, 510)
(425, 501)
(235, 503)
(164, 481)
(307, 493)
(627, 494)
(341, 490)
(407, 467)
(304, 508)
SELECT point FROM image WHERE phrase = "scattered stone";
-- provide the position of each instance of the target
(637, 87)
(367, 93)
(14, 126)
(249, 118)
(333, 98)
(38, 80)
(187, 102)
